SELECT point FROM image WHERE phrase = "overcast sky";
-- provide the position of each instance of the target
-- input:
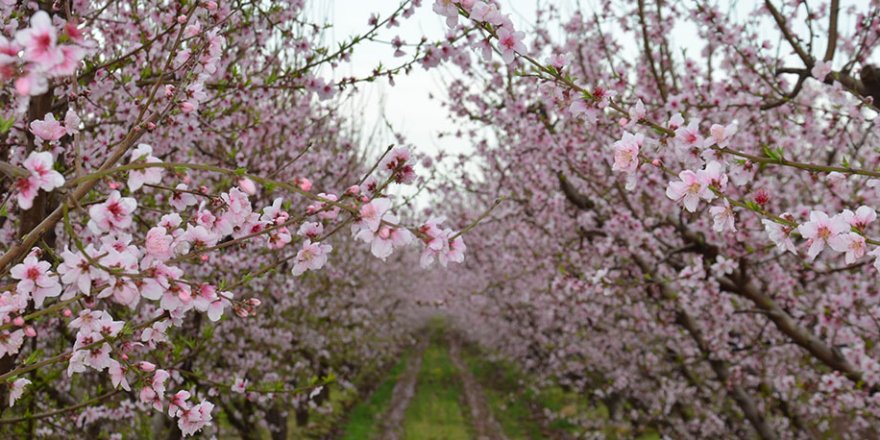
(407, 104)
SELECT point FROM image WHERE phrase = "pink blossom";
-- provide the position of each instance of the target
(510, 43)
(77, 271)
(851, 243)
(39, 41)
(637, 113)
(370, 215)
(486, 12)
(157, 243)
(117, 375)
(723, 217)
(626, 153)
(720, 135)
(17, 389)
(180, 200)
(247, 185)
(35, 278)
(195, 418)
(397, 162)
(48, 129)
(239, 385)
(114, 215)
(40, 165)
(178, 402)
(71, 122)
(312, 256)
(448, 9)
(152, 175)
(713, 175)
(860, 220)
(821, 69)
(689, 190)
(820, 230)
(10, 342)
(689, 136)
(312, 230)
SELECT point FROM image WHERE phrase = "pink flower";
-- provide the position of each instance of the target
(39, 41)
(370, 215)
(195, 418)
(626, 153)
(48, 129)
(157, 243)
(487, 12)
(114, 215)
(42, 174)
(720, 135)
(35, 278)
(689, 136)
(312, 256)
(247, 185)
(821, 69)
(713, 175)
(10, 343)
(26, 191)
(723, 218)
(178, 402)
(510, 43)
(152, 175)
(17, 389)
(239, 385)
(33, 83)
(448, 9)
(637, 112)
(71, 122)
(851, 243)
(76, 270)
(689, 190)
(180, 200)
(860, 220)
(117, 375)
(820, 229)
(397, 162)
(311, 230)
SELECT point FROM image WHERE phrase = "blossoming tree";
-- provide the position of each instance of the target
(188, 225)
(688, 232)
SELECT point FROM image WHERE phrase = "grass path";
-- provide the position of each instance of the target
(484, 423)
(392, 420)
(436, 412)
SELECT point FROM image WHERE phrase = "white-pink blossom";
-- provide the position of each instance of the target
(820, 230)
(312, 256)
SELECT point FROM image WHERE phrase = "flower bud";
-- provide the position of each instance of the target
(146, 366)
(247, 185)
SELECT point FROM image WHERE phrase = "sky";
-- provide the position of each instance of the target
(407, 104)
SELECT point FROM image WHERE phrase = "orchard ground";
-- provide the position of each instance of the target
(443, 387)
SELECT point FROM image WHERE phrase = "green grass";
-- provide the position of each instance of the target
(363, 421)
(501, 386)
(435, 411)
(509, 396)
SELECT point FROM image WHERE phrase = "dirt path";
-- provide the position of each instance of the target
(485, 425)
(392, 421)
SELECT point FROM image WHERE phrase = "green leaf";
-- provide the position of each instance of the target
(6, 124)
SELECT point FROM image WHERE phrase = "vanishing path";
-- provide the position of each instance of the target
(484, 423)
(391, 425)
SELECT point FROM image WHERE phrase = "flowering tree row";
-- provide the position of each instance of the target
(188, 225)
(688, 232)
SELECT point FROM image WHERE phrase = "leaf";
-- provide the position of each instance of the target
(6, 124)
